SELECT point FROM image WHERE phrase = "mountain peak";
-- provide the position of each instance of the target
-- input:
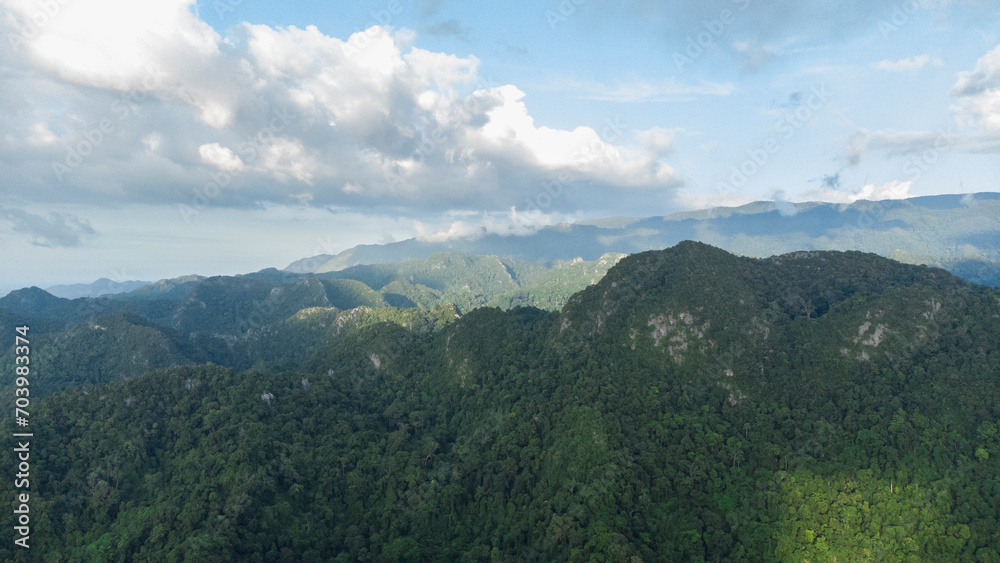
(31, 301)
(720, 296)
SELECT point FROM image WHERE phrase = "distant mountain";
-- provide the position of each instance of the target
(173, 288)
(34, 302)
(960, 233)
(103, 286)
(50, 313)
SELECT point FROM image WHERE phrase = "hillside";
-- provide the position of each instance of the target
(691, 405)
(244, 321)
(475, 281)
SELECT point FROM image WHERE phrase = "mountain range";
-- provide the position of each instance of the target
(960, 233)
(538, 397)
(232, 320)
(689, 405)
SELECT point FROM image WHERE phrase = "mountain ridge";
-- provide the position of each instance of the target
(102, 286)
(953, 231)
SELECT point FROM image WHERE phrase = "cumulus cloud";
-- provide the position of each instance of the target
(903, 65)
(56, 230)
(289, 114)
(511, 128)
(978, 93)
(127, 46)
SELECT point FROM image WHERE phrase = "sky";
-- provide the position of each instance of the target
(147, 140)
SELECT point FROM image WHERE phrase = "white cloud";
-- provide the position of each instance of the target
(925, 145)
(582, 151)
(476, 225)
(782, 203)
(41, 135)
(658, 140)
(285, 158)
(977, 116)
(363, 121)
(864, 143)
(158, 47)
(711, 199)
(978, 92)
(871, 192)
(221, 157)
(903, 65)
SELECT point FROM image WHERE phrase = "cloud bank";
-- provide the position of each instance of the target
(127, 103)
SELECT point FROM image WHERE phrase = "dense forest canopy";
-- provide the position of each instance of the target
(690, 405)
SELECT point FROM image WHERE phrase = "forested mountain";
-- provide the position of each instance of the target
(475, 281)
(955, 232)
(257, 319)
(691, 405)
(447, 277)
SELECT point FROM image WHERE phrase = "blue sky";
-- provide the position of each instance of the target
(151, 140)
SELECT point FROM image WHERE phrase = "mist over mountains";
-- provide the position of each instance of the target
(960, 233)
